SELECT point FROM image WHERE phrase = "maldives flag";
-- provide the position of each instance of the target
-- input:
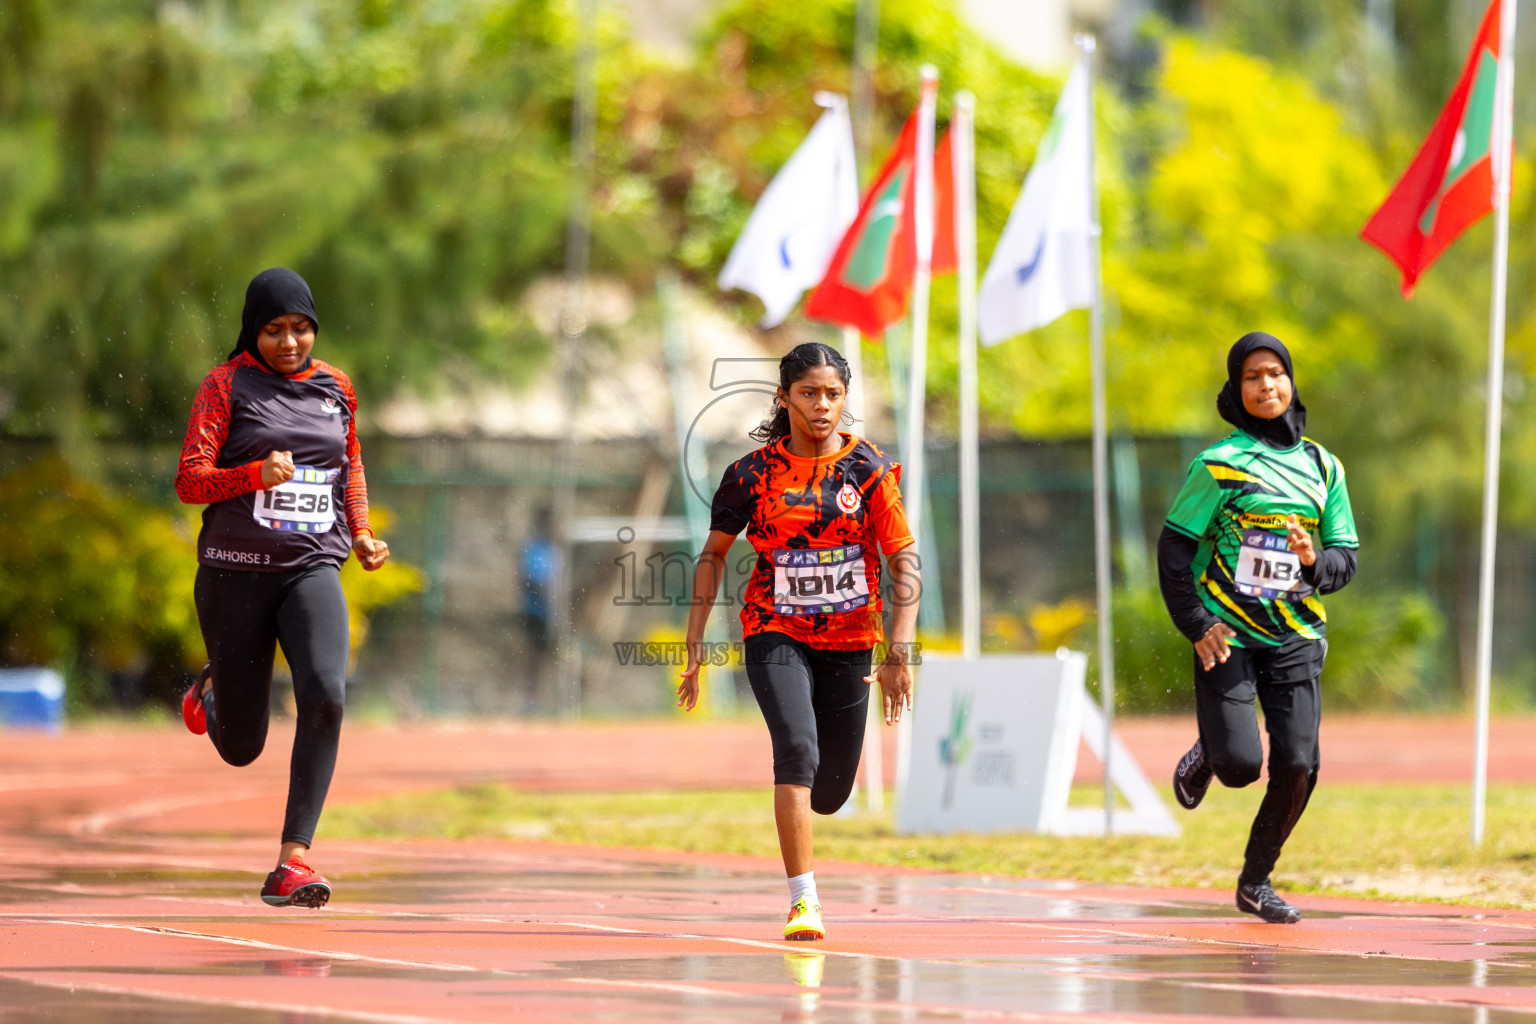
(1449, 186)
(869, 282)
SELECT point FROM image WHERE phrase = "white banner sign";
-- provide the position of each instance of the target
(993, 748)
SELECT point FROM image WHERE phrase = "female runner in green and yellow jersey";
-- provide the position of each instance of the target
(1260, 531)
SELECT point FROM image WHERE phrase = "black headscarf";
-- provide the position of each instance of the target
(271, 294)
(1284, 430)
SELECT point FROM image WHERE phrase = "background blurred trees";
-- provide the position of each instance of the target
(100, 584)
(409, 158)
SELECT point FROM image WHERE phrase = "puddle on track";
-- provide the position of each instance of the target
(752, 984)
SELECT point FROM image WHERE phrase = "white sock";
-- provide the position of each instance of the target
(804, 887)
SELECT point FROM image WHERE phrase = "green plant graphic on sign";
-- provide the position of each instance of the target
(955, 747)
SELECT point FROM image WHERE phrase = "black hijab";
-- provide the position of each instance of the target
(271, 294)
(1284, 430)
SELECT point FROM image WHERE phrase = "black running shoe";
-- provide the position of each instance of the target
(1260, 900)
(1192, 777)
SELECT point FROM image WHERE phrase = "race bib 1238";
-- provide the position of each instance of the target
(306, 503)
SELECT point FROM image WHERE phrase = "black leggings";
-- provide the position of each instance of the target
(1286, 683)
(814, 703)
(244, 615)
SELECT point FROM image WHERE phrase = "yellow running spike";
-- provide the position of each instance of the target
(804, 922)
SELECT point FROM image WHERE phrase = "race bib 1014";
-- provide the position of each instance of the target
(819, 581)
(1266, 567)
(306, 503)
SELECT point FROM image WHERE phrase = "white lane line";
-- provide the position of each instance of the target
(299, 1010)
(658, 986)
(1364, 997)
(231, 940)
(1267, 947)
(100, 821)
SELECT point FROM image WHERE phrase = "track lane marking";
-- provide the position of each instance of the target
(233, 940)
(300, 1010)
(1245, 944)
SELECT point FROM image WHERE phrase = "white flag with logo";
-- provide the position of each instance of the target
(1043, 264)
(800, 218)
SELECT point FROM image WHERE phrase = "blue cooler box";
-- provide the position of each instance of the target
(32, 698)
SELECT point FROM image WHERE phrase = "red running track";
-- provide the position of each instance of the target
(129, 862)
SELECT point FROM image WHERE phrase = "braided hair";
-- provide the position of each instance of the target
(797, 362)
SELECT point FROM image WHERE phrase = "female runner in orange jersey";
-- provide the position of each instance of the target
(819, 507)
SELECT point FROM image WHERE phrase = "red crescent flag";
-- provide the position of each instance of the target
(869, 282)
(1449, 186)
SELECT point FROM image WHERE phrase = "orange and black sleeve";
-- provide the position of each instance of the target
(199, 478)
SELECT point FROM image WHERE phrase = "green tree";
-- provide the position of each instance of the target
(408, 158)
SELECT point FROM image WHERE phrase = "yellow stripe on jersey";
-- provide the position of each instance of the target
(1327, 465)
(1317, 608)
(1210, 585)
(1296, 624)
(1238, 476)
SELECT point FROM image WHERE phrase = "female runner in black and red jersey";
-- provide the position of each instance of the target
(271, 449)
(816, 505)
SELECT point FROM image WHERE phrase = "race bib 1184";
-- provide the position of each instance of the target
(1266, 567)
(819, 581)
(306, 503)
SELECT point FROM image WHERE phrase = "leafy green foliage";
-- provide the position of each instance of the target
(93, 582)
(98, 584)
(407, 158)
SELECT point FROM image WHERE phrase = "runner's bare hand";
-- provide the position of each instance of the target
(371, 552)
(1301, 541)
(688, 689)
(278, 469)
(895, 679)
(1213, 646)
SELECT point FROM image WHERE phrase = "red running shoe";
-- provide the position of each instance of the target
(295, 884)
(192, 711)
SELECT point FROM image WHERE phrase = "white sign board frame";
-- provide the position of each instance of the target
(991, 745)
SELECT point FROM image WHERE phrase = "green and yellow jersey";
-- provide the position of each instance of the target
(1235, 503)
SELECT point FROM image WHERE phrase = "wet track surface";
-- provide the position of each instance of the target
(492, 931)
(128, 893)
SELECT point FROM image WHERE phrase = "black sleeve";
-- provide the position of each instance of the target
(1175, 554)
(731, 510)
(1332, 571)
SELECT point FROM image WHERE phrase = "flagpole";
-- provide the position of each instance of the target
(853, 342)
(1101, 554)
(874, 752)
(917, 390)
(853, 352)
(1503, 147)
(962, 137)
(573, 331)
(858, 404)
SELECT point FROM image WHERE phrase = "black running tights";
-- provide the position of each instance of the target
(1286, 684)
(814, 703)
(244, 615)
